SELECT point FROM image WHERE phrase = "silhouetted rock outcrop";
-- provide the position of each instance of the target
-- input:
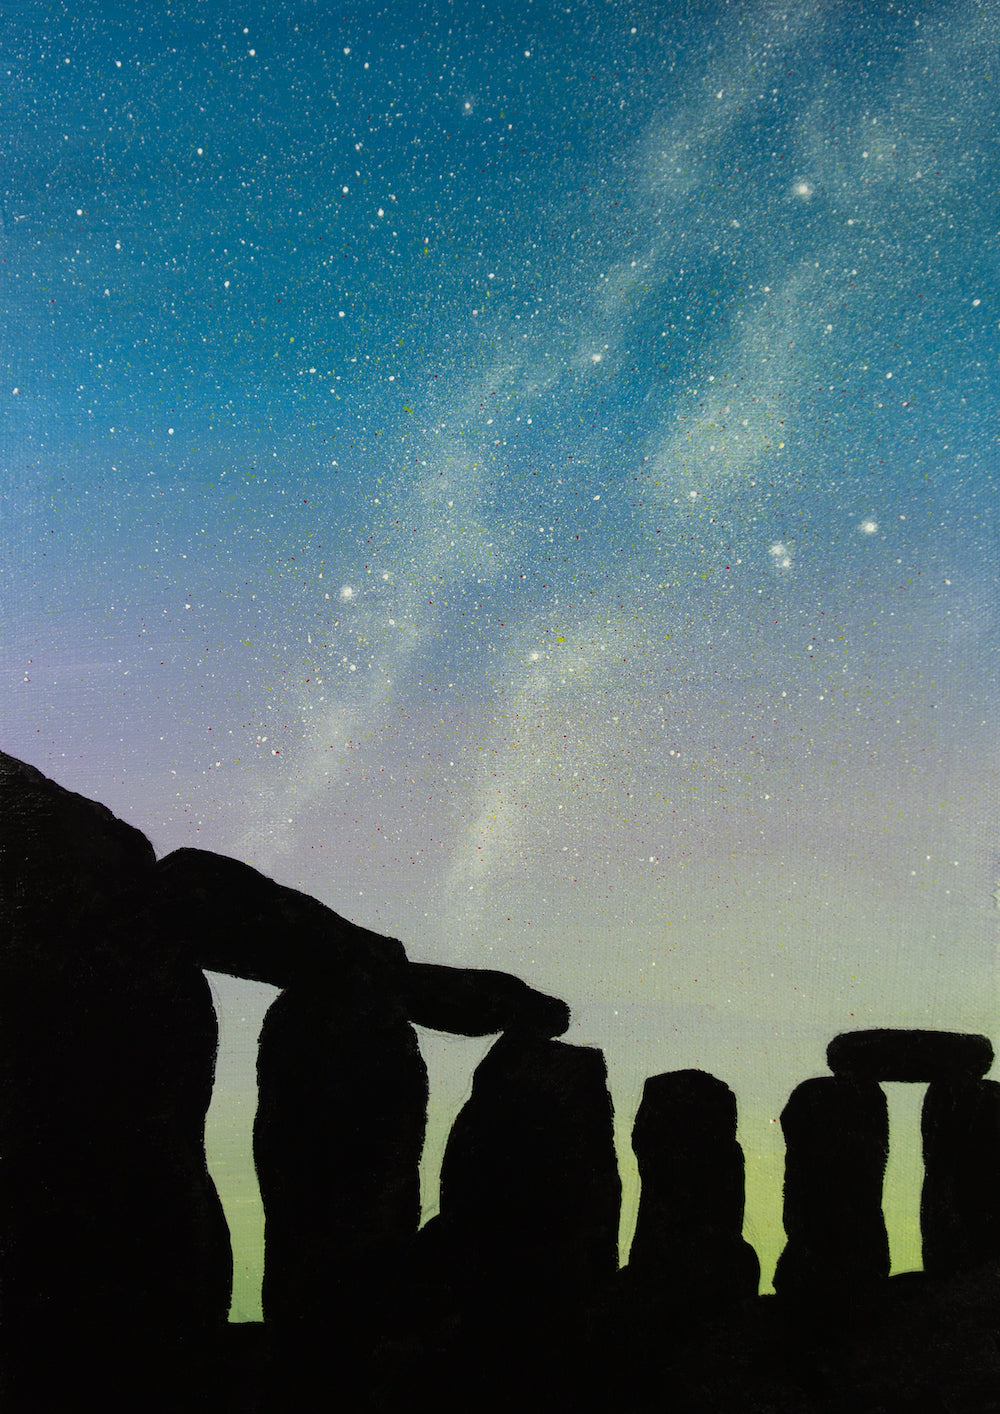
(112, 1225)
(836, 1146)
(960, 1199)
(909, 1055)
(688, 1251)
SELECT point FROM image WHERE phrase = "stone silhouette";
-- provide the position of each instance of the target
(959, 1207)
(526, 1243)
(909, 1055)
(112, 1225)
(530, 1178)
(836, 1146)
(959, 1213)
(478, 1002)
(342, 1104)
(338, 1137)
(114, 1254)
(688, 1252)
(238, 921)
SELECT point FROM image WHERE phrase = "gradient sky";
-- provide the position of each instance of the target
(526, 475)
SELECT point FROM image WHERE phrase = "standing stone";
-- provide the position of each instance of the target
(526, 1245)
(114, 1246)
(530, 1177)
(337, 1143)
(837, 1143)
(342, 1105)
(960, 1199)
(688, 1250)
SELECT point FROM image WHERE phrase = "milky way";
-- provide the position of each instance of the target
(527, 477)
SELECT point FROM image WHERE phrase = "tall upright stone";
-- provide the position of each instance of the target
(530, 1177)
(960, 1198)
(688, 1251)
(526, 1244)
(338, 1137)
(337, 1143)
(112, 1227)
(836, 1146)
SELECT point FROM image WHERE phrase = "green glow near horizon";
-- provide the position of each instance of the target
(229, 1147)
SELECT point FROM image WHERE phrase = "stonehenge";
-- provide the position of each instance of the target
(112, 1231)
(960, 1125)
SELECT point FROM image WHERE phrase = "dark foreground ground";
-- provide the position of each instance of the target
(919, 1348)
(923, 1349)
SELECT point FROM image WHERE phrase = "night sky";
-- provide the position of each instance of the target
(526, 474)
